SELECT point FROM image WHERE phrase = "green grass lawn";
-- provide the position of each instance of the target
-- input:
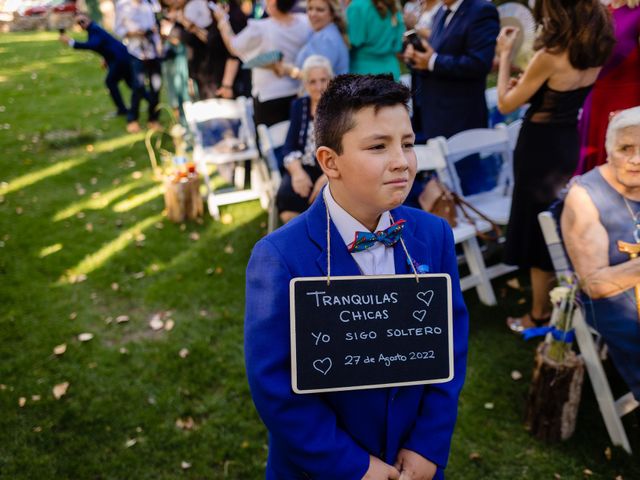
(83, 242)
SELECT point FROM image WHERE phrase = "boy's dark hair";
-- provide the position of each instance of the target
(285, 5)
(348, 94)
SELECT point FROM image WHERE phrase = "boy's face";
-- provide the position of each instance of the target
(377, 166)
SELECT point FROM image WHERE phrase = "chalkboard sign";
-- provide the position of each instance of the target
(370, 331)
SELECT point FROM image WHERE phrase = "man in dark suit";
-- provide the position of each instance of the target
(115, 54)
(452, 71)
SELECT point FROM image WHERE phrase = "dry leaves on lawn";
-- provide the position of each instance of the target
(60, 390)
(60, 349)
(85, 337)
(184, 353)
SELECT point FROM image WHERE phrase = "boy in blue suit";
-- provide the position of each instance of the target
(365, 147)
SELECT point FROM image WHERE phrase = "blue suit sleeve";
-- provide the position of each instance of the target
(292, 143)
(302, 425)
(479, 49)
(431, 435)
(92, 43)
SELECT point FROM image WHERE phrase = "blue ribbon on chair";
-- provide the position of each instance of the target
(560, 335)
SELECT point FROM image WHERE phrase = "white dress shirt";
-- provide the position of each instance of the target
(453, 8)
(377, 260)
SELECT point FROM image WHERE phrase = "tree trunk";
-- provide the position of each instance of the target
(554, 396)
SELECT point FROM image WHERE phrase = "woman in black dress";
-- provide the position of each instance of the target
(575, 39)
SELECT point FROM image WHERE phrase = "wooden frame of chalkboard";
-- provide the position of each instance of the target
(370, 331)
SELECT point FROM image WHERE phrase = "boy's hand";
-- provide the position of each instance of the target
(378, 470)
(413, 466)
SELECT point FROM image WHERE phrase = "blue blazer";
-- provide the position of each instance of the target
(100, 41)
(452, 95)
(330, 436)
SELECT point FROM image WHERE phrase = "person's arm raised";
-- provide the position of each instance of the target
(538, 71)
(586, 241)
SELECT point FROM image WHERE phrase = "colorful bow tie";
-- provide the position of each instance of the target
(388, 237)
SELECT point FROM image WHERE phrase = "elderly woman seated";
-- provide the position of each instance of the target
(601, 229)
(303, 179)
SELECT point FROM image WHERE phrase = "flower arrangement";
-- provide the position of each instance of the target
(560, 338)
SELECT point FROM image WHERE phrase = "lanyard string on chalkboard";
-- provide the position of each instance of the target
(404, 247)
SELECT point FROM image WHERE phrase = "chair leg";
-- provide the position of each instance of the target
(476, 264)
(599, 382)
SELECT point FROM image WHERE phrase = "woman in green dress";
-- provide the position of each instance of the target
(375, 30)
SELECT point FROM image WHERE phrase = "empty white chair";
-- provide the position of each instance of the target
(223, 134)
(271, 138)
(611, 410)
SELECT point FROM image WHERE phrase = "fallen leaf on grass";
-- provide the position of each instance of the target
(130, 443)
(209, 271)
(474, 456)
(244, 444)
(89, 227)
(619, 477)
(115, 287)
(122, 318)
(516, 375)
(92, 365)
(60, 390)
(60, 349)
(22, 401)
(77, 278)
(123, 351)
(522, 301)
(607, 453)
(138, 275)
(35, 398)
(185, 423)
(19, 210)
(228, 249)
(37, 429)
(203, 313)
(159, 225)
(185, 465)
(219, 270)
(489, 405)
(89, 148)
(85, 337)
(136, 175)
(73, 315)
(226, 219)
(194, 236)
(557, 476)
(587, 473)
(155, 323)
(184, 353)
(80, 215)
(169, 324)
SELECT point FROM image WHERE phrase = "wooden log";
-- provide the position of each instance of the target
(182, 198)
(554, 396)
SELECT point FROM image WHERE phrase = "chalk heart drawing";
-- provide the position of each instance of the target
(323, 365)
(425, 297)
(419, 314)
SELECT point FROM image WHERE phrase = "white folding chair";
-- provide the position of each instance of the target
(198, 116)
(271, 138)
(430, 157)
(495, 204)
(611, 410)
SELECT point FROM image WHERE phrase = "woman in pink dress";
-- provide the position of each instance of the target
(617, 87)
